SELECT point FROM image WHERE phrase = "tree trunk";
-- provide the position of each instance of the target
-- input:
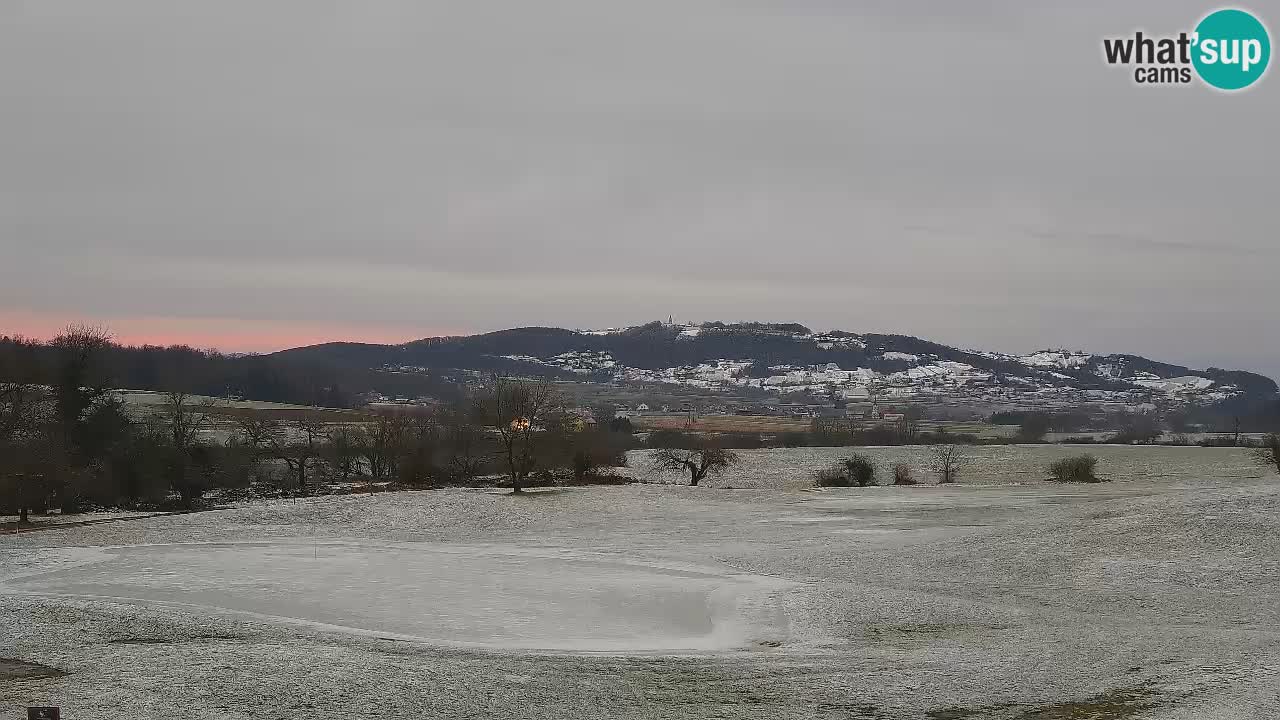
(695, 474)
(511, 465)
(22, 515)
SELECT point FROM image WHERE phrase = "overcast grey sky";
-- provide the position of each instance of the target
(255, 174)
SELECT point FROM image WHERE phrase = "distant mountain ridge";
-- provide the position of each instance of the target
(790, 358)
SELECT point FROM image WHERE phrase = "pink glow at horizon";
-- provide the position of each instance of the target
(225, 334)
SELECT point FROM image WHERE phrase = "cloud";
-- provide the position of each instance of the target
(973, 173)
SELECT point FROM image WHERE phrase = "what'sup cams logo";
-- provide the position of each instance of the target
(1228, 50)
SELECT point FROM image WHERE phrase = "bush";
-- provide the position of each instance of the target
(669, 439)
(1268, 451)
(833, 476)
(1079, 440)
(860, 470)
(857, 471)
(902, 475)
(1075, 469)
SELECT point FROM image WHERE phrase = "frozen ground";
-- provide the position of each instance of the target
(1155, 596)
(491, 596)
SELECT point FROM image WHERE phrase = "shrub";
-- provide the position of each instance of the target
(1075, 469)
(902, 475)
(833, 476)
(857, 471)
(669, 439)
(1268, 452)
(860, 470)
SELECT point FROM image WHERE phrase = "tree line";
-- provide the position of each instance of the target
(68, 441)
(272, 378)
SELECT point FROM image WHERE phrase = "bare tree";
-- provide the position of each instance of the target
(255, 431)
(30, 473)
(909, 425)
(517, 409)
(604, 414)
(381, 442)
(31, 456)
(343, 451)
(421, 441)
(185, 418)
(298, 443)
(949, 461)
(698, 462)
(310, 436)
(80, 381)
(188, 463)
(465, 445)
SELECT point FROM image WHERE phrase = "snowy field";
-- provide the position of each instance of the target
(1154, 596)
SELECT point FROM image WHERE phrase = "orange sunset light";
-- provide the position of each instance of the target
(226, 334)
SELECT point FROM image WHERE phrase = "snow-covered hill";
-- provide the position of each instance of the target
(833, 365)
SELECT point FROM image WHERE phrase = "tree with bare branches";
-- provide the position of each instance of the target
(184, 418)
(516, 410)
(697, 461)
(299, 444)
(31, 457)
(421, 441)
(80, 381)
(381, 442)
(343, 451)
(949, 461)
(464, 442)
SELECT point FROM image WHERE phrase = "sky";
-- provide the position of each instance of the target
(253, 175)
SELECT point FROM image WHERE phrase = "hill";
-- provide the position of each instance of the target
(790, 358)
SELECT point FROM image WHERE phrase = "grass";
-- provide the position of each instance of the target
(1115, 704)
(722, 423)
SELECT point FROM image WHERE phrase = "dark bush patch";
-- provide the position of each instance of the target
(857, 471)
(902, 475)
(1075, 469)
(861, 470)
(22, 670)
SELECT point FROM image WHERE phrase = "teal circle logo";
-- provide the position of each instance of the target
(1231, 49)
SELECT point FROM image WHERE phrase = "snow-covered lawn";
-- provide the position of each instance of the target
(1153, 596)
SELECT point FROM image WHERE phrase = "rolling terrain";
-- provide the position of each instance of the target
(792, 360)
